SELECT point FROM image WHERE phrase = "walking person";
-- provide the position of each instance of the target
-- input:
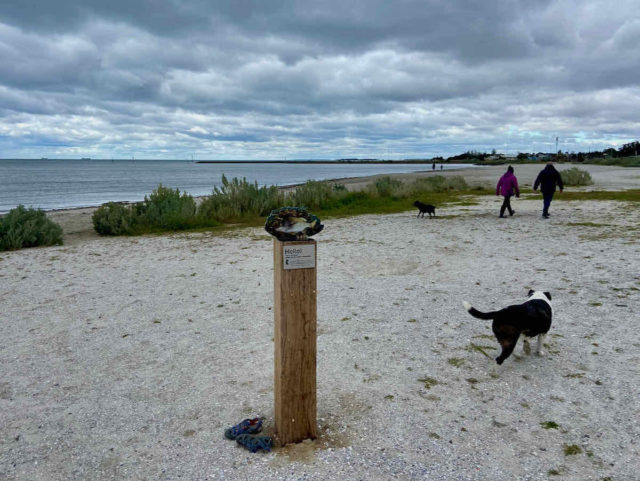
(507, 187)
(547, 179)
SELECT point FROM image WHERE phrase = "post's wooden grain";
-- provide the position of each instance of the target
(295, 348)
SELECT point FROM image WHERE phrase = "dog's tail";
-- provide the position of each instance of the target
(476, 313)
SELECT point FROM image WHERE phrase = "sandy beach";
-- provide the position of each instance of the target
(126, 358)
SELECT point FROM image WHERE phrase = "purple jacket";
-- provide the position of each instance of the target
(507, 185)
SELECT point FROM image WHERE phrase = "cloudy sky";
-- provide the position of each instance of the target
(273, 79)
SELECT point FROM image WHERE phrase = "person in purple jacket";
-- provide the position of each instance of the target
(507, 187)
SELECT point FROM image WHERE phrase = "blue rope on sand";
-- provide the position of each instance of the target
(253, 442)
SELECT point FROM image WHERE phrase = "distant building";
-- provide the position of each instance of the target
(542, 156)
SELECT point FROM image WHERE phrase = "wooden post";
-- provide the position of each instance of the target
(295, 339)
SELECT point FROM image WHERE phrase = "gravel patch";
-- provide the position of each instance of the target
(126, 358)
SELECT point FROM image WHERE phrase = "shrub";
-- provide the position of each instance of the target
(166, 208)
(238, 198)
(113, 218)
(314, 194)
(386, 186)
(437, 183)
(575, 176)
(456, 182)
(23, 227)
(163, 209)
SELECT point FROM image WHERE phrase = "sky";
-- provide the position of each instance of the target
(287, 79)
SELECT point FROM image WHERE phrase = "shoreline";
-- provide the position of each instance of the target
(282, 186)
(76, 222)
(92, 186)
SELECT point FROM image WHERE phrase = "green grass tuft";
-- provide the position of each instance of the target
(455, 361)
(429, 382)
(481, 349)
(572, 449)
(550, 425)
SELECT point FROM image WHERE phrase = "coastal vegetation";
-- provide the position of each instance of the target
(113, 218)
(22, 227)
(575, 177)
(238, 201)
(164, 209)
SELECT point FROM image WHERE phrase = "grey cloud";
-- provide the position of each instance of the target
(249, 75)
(471, 29)
(159, 16)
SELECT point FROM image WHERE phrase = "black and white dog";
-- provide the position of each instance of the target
(422, 208)
(531, 318)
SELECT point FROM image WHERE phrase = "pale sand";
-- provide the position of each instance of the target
(125, 358)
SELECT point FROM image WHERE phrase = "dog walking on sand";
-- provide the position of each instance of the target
(531, 318)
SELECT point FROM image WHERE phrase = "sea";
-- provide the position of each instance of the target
(49, 184)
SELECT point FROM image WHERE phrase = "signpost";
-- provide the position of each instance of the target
(295, 339)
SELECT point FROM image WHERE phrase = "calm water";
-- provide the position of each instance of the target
(61, 184)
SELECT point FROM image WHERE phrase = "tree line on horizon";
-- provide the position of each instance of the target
(627, 150)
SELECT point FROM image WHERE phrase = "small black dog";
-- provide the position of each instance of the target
(531, 318)
(422, 208)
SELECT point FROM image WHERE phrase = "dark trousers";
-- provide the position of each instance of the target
(506, 205)
(547, 197)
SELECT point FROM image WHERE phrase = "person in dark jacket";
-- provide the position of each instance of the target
(547, 180)
(507, 187)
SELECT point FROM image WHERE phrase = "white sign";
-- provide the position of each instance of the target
(299, 256)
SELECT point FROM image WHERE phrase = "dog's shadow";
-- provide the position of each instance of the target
(438, 217)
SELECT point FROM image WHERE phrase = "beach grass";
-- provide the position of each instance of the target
(237, 199)
(241, 203)
(359, 203)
